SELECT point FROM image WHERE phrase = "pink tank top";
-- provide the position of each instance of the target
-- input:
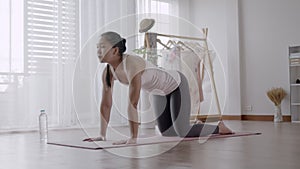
(160, 82)
(156, 80)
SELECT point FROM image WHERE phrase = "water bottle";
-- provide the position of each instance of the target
(43, 124)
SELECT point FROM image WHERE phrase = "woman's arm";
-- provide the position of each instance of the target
(105, 108)
(134, 95)
(133, 72)
(106, 104)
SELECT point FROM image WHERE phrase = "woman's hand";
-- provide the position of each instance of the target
(95, 139)
(129, 141)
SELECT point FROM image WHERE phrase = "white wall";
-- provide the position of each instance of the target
(184, 13)
(221, 18)
(267, 28)
(233, 106)
(252, 39)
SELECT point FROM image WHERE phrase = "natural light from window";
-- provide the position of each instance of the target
(11, 41)
(160, 7)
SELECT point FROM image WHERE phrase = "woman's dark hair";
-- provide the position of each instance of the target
(116, 41)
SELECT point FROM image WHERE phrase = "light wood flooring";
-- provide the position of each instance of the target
(277, 148)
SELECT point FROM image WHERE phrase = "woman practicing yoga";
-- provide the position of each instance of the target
(170, 90)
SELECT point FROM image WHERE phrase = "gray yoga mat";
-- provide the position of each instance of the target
(77, 142)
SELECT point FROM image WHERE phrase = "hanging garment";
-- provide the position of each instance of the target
(191, 69)
(188, 63)
(171, 59)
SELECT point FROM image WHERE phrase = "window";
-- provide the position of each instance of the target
(11, 41)
(164, 13)
(160, 7)
(51, 34)
(39, 45)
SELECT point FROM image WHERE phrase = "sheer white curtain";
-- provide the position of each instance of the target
(48, 57)
(168, 7)
(163, 11)
(37, 63)
(96, 18)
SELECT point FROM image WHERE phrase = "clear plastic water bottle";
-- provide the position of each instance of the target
(43, 124)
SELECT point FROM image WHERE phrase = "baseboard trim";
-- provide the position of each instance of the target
(286, 118)
(207, 118)
(228, 117)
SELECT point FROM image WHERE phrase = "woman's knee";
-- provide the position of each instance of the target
(169, 132)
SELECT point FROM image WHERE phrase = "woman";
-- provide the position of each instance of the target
(170, 90)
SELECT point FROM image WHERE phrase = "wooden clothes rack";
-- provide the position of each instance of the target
(151, 43)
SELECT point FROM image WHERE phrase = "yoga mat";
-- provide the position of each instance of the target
(141, 141)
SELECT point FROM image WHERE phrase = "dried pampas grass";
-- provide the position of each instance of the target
(276, 95)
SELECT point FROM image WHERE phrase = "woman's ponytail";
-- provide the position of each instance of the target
(107, 78)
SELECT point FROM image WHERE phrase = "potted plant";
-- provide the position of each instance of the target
(276, 95)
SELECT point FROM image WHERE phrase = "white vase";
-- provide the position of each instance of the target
(277, 114)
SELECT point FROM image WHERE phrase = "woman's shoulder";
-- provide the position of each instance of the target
(133, 64)
(132, 56)
(132, 60)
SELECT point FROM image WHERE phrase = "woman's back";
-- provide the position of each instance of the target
(153, 79)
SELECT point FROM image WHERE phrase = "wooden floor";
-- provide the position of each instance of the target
(277, 148)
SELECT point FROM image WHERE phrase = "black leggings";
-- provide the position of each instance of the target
(173, 114)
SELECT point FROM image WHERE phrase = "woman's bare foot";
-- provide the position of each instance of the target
(223, 129)
(95, 139)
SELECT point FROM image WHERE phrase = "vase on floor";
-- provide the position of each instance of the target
(277, 114)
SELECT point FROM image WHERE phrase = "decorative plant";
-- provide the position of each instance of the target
(276, 95)
(148, 54)
(142, 50)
